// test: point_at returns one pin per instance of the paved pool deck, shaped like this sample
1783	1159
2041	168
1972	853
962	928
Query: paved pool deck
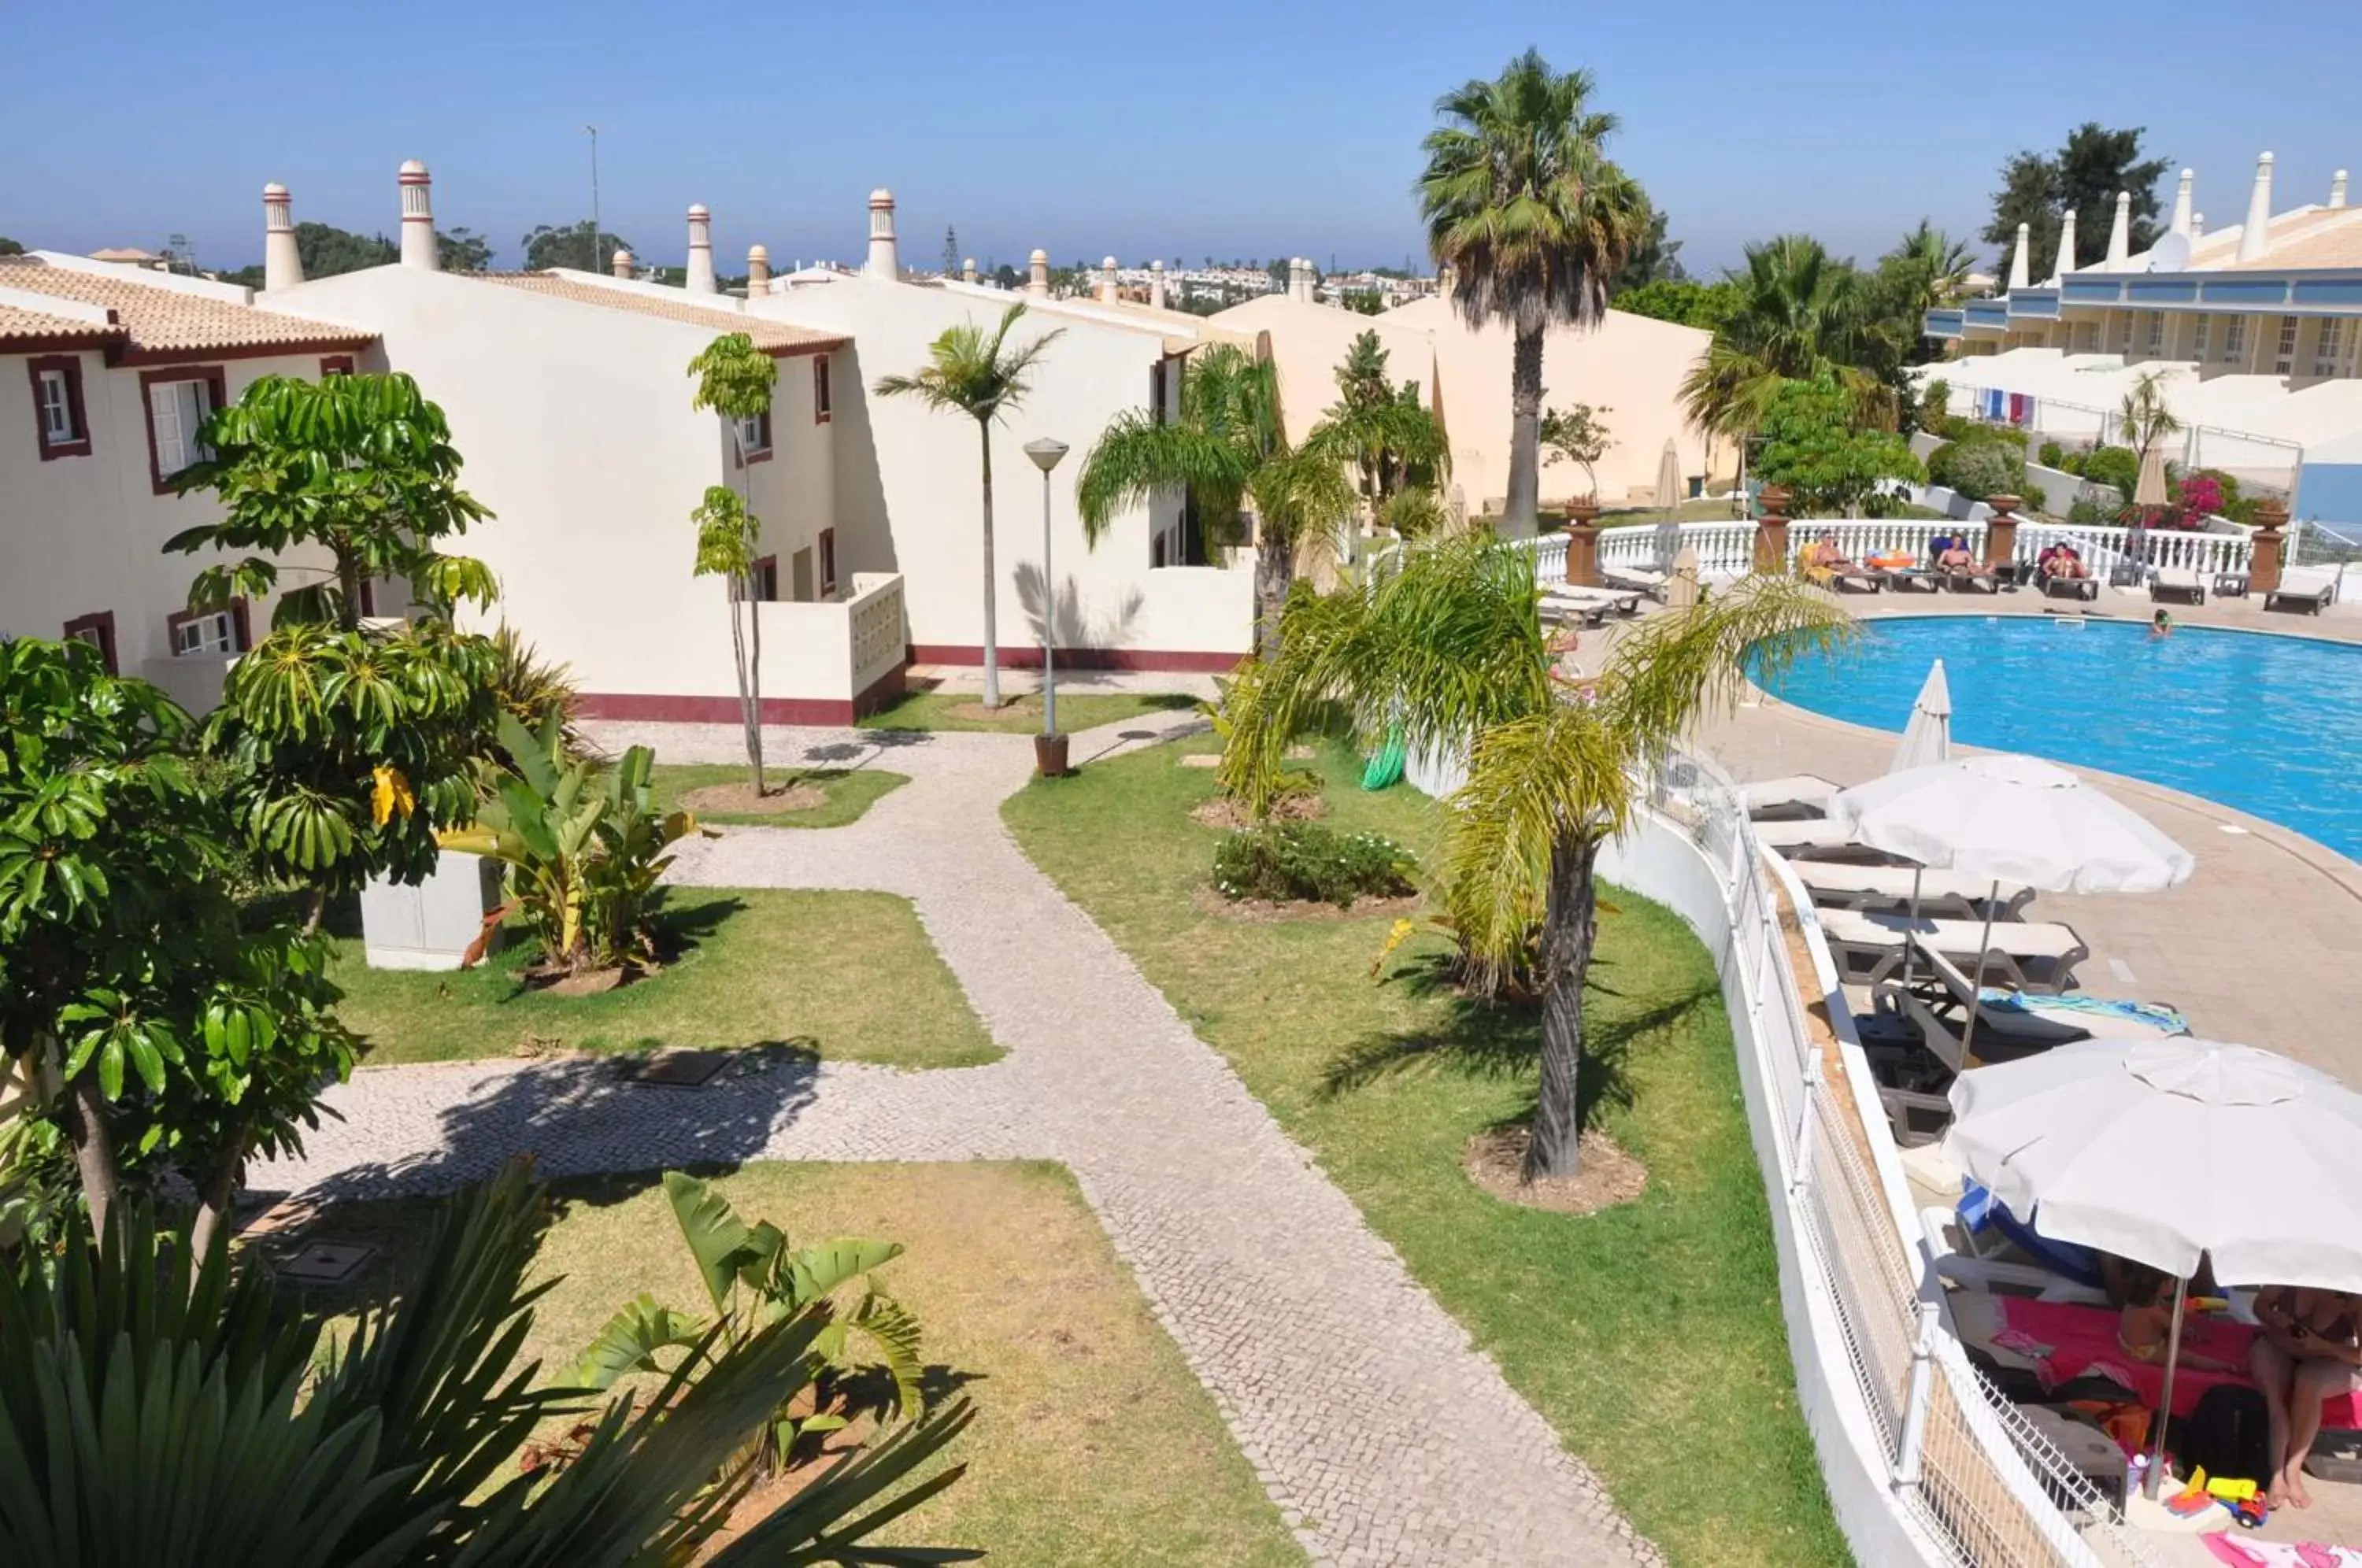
2263	945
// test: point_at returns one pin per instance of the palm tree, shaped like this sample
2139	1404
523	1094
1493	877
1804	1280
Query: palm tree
1448	653
1228	452
1385	432
1945	262
1532	221
1800	316
2145	419
983	378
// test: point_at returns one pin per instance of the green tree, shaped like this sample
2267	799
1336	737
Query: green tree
1800	315
2085	174
572	245
1522	203
463	251
216	1421
1448	653
2146	417
1576	434
984	378
352	747
1386	432
734	379
1685	300
1227	452
1813	443
1654	260
9	246
1005	276
181	1033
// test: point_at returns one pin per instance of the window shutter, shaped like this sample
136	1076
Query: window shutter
164	422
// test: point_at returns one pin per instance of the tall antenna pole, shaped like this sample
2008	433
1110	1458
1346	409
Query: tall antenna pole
595	197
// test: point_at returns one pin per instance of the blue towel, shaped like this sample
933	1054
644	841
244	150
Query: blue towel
2163	1018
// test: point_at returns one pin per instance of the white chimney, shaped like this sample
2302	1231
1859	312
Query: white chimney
2120	233
1156	284
2197	228
2338	189
967	271
1037	273
1299	276
2066	247
2256	235
2020	264
417	219
700	250
621	264
1107	289
885	257
758	271
282	265
2180	224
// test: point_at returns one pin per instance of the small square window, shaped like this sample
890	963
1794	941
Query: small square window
60	428
197	632
98	631
754	437
335	365
179	403
820	390
828	563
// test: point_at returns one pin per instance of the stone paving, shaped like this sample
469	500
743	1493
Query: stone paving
1380	1431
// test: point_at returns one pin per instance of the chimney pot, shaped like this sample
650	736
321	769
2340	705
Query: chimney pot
968	269
2256	234
282	264
758	271
885	256
2021	262
1107	290
2065	245
417	217
1037	273
2181	202
1156	284
2120	233
700	250
621	264
2338	189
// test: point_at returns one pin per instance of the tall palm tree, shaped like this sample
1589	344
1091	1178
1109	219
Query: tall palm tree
1229	451
1384	432
983	378
1533	222
1449	652
1800	315
1944	261
2145	417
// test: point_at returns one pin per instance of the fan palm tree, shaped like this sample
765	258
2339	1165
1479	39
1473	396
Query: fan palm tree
214	1423
1385	433
1448	653
1944	261
983	378
1800	316
1229	451
1525	211
2145	418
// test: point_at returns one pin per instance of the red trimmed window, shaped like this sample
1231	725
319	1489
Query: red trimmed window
178	401
820	389
762	584
59	424
335	365
828	563
209	631
98	631
755	438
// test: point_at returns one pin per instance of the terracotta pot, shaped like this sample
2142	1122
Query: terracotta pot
1050	756
1582	510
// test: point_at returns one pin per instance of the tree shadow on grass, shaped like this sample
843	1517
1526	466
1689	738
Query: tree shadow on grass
1502	1041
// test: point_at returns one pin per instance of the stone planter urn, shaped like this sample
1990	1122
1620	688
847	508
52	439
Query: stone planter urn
2001	531
1582	532
2267	544
1771	531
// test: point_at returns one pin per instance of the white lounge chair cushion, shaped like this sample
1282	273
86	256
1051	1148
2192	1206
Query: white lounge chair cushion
1574	593
1646	575
2020	939
2307	582
1817	833
1838	880
1797	789
2179	579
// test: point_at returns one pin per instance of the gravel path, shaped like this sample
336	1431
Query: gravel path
1381	1433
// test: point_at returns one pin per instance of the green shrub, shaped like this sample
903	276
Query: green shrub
1978	469
2053	456
2116	465
1300	862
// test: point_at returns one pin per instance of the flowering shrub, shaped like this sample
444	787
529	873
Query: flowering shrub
1303	862
2200	498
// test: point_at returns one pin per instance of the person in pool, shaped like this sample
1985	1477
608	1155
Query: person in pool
2160	625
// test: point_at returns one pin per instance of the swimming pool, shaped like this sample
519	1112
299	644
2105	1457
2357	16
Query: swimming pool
2269	725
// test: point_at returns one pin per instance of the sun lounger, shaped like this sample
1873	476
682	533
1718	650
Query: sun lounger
1963	582
1904	579
1835	578
2177	582
1590	613
1814	839
1936	1006
2071	587
1940	892
1621	601
1800	795
2025	956
1640	580
1957	1261
2303	588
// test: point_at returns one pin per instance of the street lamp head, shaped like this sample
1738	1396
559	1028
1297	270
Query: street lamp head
1045	452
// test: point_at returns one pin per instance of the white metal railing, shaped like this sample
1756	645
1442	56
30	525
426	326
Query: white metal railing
1726	550
1982	1484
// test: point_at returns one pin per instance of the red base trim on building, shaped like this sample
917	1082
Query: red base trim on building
659	708
1164	661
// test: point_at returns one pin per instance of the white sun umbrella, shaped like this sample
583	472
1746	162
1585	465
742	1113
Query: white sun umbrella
2171	1150
1669	501
2016	818
1928	738
2148	495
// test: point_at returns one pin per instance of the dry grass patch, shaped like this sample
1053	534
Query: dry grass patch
1605	1176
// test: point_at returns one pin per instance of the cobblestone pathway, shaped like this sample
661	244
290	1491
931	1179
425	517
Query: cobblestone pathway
1383	1436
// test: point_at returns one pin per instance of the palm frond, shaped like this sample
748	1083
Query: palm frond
1671	670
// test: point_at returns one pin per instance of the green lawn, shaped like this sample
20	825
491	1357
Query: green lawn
1650	1334
851	976
1023	715
849	791
1093	1442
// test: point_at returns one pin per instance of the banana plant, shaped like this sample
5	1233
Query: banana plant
755	1279
584	849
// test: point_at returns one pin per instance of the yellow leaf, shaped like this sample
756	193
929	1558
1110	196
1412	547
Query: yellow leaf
390	794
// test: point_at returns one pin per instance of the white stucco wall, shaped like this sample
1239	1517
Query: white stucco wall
908	491
85	534
575	424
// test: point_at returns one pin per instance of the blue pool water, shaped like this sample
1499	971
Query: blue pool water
2269	725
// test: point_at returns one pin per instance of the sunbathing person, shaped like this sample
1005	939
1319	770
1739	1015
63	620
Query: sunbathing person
2144	1299
2060	561
1957	560
2308	1350
1825	555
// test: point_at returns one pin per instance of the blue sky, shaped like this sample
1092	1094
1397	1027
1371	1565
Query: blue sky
1218	126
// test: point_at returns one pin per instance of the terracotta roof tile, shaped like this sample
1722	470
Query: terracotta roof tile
21	326
160	322
771	336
